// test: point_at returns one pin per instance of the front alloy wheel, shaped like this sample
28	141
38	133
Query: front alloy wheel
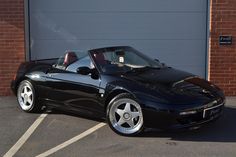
125	115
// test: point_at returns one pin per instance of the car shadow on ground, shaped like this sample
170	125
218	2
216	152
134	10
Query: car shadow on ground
221	130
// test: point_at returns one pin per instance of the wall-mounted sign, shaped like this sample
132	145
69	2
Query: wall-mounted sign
225	40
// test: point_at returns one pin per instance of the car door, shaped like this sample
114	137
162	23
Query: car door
74	91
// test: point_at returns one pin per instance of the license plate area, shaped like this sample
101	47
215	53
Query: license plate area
212	111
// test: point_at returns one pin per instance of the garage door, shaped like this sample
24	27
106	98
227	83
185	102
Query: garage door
174	31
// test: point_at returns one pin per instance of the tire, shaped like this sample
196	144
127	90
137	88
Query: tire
124	115
26	97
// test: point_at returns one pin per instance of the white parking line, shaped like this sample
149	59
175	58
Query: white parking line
24	137
72	140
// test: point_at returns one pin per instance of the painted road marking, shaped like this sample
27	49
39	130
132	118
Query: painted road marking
72	140
25	137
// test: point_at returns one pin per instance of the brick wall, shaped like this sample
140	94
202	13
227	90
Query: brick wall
223	58
11	41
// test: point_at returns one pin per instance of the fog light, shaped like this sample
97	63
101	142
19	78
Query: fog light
187	112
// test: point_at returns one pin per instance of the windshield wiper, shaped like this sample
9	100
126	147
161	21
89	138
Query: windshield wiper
134	70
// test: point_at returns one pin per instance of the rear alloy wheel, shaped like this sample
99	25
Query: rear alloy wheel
125	115
26	97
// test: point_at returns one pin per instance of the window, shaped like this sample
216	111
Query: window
121	60
72	60
81	62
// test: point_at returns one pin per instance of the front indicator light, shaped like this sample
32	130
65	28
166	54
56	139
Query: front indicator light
187	113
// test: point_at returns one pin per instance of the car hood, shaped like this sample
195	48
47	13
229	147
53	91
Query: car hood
164	76
175	85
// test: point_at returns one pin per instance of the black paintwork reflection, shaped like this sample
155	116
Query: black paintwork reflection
73	90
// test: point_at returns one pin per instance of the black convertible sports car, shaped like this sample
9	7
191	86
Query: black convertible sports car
129	89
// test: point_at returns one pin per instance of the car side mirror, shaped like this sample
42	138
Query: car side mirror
84	70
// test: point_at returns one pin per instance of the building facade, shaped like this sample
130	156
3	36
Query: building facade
184	34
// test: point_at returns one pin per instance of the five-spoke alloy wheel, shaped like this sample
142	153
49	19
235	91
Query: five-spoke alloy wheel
125	115
26	97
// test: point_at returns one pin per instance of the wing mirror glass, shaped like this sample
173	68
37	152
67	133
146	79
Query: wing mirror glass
84	70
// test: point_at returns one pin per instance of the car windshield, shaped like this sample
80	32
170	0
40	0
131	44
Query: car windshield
122	60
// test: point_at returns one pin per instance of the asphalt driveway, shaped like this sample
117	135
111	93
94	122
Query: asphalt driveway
63	134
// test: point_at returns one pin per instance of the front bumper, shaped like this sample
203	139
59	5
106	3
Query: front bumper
172	119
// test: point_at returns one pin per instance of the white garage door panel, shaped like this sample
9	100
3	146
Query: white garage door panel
165	50
172	31
118	5
127	26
